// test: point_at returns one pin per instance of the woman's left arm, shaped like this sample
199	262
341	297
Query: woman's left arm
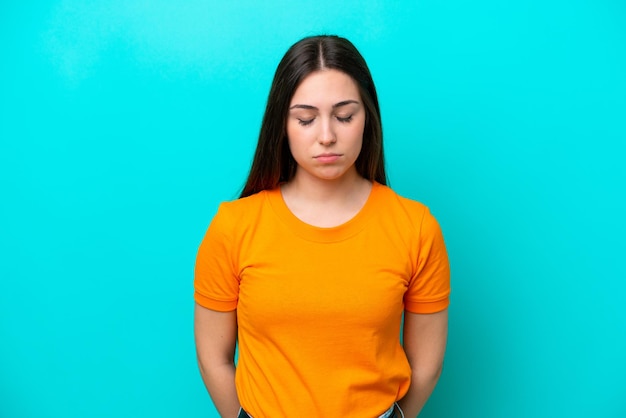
424	339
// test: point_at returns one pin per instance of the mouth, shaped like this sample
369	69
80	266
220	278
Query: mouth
327	157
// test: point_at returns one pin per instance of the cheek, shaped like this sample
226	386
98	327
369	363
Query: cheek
296	140
290	135
357	135
296	134
293	132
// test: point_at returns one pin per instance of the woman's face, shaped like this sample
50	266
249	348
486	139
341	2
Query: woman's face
325	125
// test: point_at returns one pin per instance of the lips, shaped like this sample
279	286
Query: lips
327	158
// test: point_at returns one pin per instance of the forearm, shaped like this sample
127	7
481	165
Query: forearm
422	385
220	383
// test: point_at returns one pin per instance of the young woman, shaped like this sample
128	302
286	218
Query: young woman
314	268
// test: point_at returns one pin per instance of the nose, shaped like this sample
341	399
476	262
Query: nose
327	134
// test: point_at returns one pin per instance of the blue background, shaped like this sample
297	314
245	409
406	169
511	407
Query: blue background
123	124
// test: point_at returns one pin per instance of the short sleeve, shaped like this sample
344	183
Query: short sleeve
216	279
429	287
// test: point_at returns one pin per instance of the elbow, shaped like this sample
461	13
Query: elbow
202	368
435	373
208	366
427	376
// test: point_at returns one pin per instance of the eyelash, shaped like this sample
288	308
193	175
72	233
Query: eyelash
307	122
344	120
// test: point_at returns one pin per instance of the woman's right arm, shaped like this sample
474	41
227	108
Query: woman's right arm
216	337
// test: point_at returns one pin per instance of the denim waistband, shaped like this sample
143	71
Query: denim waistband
394	411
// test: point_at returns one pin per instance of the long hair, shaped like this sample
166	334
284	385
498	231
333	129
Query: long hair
273	162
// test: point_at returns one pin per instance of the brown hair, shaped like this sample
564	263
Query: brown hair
273	162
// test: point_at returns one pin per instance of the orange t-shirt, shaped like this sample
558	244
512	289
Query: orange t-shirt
319	310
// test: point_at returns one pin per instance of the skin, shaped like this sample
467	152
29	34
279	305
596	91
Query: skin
216	336
424	340
325	131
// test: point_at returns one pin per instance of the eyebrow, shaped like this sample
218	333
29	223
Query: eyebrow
336	105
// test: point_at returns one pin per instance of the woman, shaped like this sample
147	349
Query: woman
314	267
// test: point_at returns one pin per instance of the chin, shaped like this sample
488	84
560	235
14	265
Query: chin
329	173
332	177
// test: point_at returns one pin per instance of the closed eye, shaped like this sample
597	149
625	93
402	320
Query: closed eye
305	122
344	120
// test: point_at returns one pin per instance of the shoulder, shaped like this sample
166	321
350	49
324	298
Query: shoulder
403	208
236	213
243	206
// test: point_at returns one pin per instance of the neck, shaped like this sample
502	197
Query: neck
326	203
314	189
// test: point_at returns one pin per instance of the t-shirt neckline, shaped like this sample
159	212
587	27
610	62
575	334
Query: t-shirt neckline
322	234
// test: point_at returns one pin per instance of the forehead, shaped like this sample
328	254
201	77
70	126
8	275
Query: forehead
325	87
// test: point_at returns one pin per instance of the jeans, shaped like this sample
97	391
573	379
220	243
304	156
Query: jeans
394	411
